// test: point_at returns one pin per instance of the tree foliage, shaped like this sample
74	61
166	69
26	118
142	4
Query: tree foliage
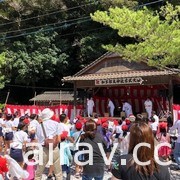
155	36
35	59
44	40
2	63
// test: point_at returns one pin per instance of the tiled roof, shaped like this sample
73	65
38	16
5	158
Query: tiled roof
119	75
54	96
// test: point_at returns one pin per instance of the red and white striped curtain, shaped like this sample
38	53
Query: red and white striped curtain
67	109
135	95
176	112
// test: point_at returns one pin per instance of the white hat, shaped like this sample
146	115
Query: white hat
46	114
132	118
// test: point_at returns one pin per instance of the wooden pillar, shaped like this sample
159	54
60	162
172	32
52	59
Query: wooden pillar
170	89
60	98
75	98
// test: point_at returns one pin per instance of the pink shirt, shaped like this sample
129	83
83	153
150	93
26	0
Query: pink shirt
31	170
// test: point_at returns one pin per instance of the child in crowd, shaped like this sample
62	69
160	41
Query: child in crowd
96	118
107	135
76	137
19	142
3	167
30	167
123	120
99	127
163	137
8	131
65	155
154	126
128	123
33	126
118	129
124	140
1	131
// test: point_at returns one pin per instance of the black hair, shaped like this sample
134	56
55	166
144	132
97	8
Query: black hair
123	118
9	117
152	119
163	131
103	131
32	154
21	125
96	116
33	116
1	115
22	118
120	122
124	133
62	117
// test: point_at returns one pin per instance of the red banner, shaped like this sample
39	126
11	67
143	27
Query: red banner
176	112
67	109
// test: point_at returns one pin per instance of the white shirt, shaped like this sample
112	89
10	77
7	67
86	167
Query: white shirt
19	138
77	138
148	104
124	144
154	126
156	118
111	125
16	122
64	127
1	122
119	129
111	105
177	126
51	128
96	120
127	108
33	124
9	124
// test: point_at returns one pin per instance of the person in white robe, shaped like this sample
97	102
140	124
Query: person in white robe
90	106
111	107
127	108
148	107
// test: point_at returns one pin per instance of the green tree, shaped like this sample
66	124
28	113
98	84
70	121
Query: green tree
34	59
2	63
154	36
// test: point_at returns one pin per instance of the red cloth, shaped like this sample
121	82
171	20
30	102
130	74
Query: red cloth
124	127
78	125
162	125
164	151
26	121
128	122
64	135
116	123
3	165
105	125
82	120
98	122
103	120
55	118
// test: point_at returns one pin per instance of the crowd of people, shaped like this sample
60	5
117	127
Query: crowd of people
72	142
